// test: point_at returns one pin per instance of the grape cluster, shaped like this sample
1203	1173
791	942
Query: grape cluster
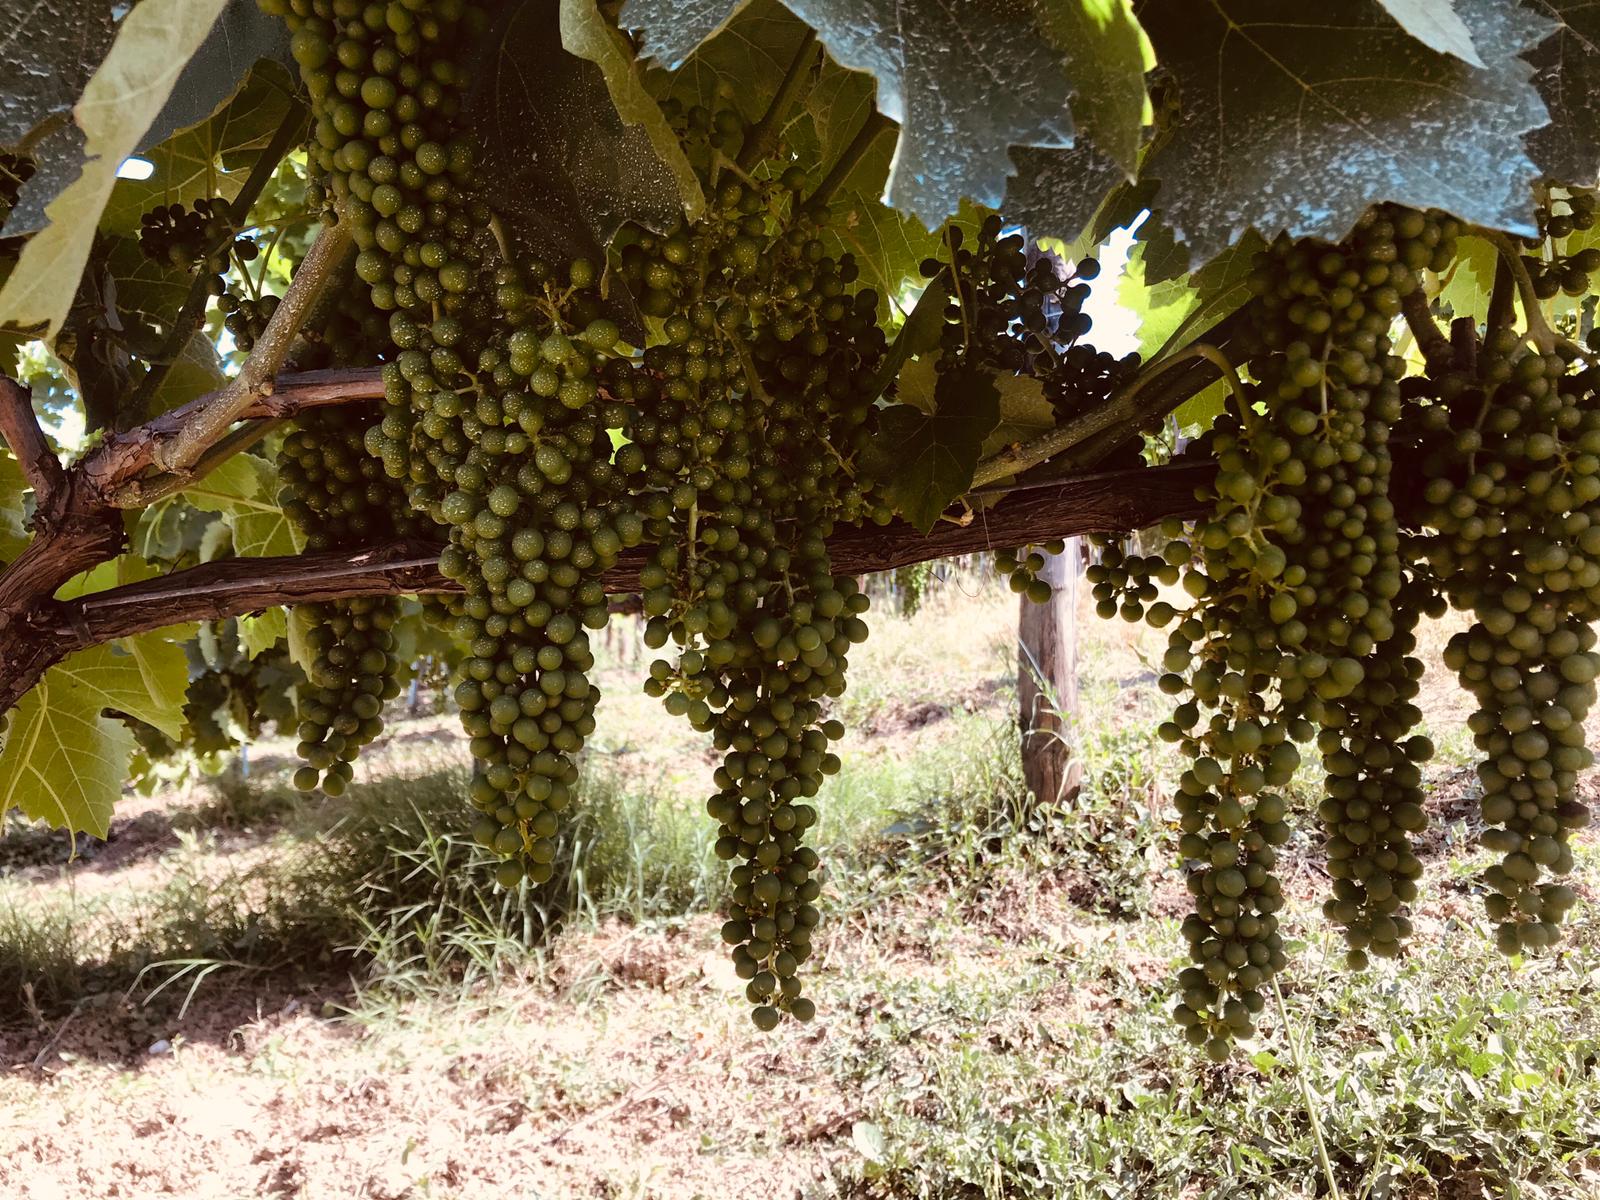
176	236
1565	270
246	317
494	422
337	495
1129	584
1513	494
1022	573
744	429
1297	629
1008	311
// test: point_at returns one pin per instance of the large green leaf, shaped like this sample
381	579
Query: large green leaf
927	458
1107	54
564	170
212	157
63	761
1568	65
117	106
1298	118
1435	23
245	491
586	33
965	82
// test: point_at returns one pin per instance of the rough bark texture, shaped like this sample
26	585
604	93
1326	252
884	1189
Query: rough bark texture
1047	680
1107	501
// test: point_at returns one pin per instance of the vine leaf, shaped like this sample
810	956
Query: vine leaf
244	489
1297	121
260	632
50	49
64	761
1568	76
57	154
211	157
587	34
561	166
1056	193
117	106
965	81
1024	411
1172	311
927	458
1107	54
1466	286
1436	24
242	37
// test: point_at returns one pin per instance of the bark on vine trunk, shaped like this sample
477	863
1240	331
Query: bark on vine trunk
1106	501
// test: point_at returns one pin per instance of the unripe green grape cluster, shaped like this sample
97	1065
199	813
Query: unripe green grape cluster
745	425
1020	568
1512	455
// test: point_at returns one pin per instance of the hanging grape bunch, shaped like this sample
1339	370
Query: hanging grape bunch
1512	457
745	425
1568	268
176	236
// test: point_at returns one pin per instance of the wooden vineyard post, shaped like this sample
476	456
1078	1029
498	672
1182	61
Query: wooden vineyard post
1047	681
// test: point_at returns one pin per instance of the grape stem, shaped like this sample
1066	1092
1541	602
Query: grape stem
1119	405
849	159
178	452
763	136
1430	338
1543	337
1312	1113
141	493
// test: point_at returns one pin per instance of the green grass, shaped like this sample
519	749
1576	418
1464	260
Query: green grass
994	982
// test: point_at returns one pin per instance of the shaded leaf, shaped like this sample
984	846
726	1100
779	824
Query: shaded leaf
57	160
964	81
1298	120
13	509
1107	55
196	371
587	34
48	51
242	36
213	157
927	459
117	106
557	160
1568	77
1056	193
1436	24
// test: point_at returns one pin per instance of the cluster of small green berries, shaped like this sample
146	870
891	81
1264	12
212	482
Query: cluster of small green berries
1022	573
